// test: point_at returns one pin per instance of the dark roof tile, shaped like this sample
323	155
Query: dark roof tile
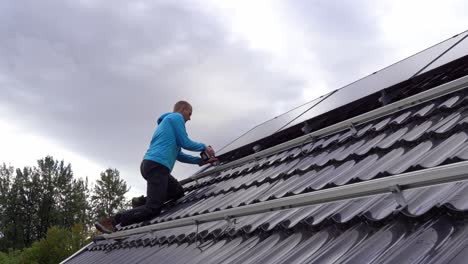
443	150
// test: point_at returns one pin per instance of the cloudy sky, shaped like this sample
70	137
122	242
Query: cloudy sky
85	80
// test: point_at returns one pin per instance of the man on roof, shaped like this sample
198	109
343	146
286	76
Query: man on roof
165	147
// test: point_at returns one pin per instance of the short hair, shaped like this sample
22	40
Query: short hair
181	105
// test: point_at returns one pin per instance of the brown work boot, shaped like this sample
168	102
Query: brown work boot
106	225
138	201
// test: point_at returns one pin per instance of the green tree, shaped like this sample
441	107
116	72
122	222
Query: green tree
59	244
11	257
15	213
6	174
46	169
38	198
75	207
64	200
29	198
109	194
4	258
71	198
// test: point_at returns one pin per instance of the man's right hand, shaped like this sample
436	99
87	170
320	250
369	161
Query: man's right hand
210	151
212	161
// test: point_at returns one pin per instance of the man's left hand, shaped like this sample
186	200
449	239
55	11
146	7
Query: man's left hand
212	160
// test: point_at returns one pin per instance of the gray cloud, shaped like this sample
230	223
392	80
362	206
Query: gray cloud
345	36
95	76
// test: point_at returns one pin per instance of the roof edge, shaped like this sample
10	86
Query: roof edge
77	253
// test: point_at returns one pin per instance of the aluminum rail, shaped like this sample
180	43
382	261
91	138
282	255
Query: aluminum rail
425	96
417	179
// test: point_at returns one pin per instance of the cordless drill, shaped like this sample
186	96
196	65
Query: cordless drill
205	156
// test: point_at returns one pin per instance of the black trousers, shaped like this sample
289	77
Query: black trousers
161	187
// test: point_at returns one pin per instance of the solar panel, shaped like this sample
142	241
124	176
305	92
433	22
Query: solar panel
391	75
403	70
268	128
456	52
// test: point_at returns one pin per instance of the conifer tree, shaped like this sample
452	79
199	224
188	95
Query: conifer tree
109	194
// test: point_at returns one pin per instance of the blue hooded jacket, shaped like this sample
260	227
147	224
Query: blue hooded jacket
168	139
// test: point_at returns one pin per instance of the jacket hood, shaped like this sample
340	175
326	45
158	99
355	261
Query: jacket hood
160	119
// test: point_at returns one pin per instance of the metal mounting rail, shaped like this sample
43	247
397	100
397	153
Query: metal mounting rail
417	179
411	101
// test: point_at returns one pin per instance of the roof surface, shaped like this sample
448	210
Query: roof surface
371	229
427	225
